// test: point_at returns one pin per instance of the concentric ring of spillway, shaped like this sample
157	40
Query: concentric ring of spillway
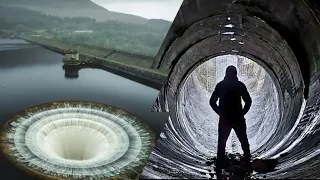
78	140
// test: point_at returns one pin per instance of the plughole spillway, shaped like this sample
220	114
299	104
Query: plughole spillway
77	140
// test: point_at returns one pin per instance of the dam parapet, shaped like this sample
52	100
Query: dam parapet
129	65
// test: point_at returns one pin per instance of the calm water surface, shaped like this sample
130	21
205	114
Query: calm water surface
31	75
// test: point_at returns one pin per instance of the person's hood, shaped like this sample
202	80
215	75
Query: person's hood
231	74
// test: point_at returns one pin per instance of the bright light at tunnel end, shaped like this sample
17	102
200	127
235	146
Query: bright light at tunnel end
77	140
194	111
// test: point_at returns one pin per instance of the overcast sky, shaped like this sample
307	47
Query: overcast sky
151	9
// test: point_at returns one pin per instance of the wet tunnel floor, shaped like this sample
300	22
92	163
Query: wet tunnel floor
234	167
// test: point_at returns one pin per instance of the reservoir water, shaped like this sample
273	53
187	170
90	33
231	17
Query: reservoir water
31	75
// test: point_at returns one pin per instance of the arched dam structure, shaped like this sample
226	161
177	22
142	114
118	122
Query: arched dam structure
283	38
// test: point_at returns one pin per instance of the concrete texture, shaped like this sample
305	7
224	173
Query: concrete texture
281	36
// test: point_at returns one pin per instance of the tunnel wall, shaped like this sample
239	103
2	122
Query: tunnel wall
296	21
283	38
286	43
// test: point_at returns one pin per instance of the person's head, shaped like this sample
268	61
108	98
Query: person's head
231	72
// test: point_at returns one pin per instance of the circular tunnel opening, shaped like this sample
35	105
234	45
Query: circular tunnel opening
263	45
201	35
278	36
202	122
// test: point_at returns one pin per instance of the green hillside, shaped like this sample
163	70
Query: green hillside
139	38
74	8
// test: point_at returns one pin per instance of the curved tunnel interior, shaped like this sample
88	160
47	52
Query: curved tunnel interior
202	122
284	40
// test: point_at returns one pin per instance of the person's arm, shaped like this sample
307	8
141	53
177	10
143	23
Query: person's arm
214	99
246	98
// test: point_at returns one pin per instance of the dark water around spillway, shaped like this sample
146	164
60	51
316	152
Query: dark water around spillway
31	75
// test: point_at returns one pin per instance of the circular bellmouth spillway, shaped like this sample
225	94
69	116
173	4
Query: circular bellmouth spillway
77	140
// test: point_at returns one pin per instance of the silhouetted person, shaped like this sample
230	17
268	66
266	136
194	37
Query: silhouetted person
229	92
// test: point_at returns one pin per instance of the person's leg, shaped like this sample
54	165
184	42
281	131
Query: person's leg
224	132
241	132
